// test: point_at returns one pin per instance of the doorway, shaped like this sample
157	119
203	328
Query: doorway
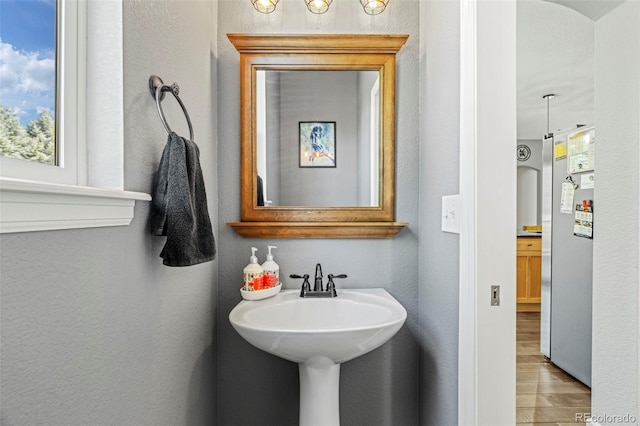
555	86
494	22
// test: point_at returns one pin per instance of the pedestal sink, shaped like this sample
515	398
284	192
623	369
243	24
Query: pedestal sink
319	334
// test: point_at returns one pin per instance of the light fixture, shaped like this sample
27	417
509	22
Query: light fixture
374	7
318	6
265	6
371	7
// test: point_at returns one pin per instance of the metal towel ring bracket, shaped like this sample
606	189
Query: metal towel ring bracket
157	89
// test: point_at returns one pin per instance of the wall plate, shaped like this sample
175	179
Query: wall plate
451	213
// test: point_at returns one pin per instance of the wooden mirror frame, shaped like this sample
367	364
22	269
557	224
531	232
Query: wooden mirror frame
317	52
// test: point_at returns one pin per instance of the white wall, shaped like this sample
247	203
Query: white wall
528	183
530	200
615	269
535	145
95	330
554	55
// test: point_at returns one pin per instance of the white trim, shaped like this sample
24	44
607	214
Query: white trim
27	206
261	133
104	116
486	347
638	266
467	337
374	164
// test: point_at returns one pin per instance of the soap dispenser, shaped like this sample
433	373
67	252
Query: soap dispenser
271	270
253	273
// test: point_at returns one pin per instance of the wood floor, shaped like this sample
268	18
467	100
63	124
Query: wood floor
545	395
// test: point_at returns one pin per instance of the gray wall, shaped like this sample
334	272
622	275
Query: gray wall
101	332
379	388
95	330
439	160
615	244
318	96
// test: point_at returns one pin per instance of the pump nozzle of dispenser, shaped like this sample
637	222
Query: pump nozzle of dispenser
269	255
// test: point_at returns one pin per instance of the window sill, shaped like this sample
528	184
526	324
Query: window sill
27	206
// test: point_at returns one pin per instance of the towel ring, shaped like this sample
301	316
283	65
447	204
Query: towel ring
158	89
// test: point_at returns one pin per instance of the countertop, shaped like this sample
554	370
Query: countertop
529	234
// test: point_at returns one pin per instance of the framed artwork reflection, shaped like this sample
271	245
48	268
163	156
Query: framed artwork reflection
317	141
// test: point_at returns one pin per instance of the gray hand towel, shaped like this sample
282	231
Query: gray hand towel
179	207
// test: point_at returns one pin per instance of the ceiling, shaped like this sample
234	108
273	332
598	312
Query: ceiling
555	55
592	9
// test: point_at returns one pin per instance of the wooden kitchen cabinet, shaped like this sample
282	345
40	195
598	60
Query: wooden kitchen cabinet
529	273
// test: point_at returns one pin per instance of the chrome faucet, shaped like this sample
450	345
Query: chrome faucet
318	290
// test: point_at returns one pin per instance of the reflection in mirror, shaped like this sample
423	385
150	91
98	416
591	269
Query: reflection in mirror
318	138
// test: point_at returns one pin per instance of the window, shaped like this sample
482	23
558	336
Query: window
41	86
38	196
29	63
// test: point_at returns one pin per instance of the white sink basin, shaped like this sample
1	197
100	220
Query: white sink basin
319	334
339	328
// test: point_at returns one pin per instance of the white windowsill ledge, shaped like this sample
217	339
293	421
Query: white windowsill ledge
27	206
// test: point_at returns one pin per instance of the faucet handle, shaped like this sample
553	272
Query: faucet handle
331	286
331	276
305	284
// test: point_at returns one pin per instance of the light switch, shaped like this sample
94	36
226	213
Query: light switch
451	213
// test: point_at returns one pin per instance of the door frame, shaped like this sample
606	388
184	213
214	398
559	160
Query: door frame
486	349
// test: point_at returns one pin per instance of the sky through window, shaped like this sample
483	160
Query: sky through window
27	57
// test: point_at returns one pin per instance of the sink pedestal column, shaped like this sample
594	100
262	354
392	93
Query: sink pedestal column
319	392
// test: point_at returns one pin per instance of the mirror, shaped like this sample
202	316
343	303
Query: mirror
317	138
317	135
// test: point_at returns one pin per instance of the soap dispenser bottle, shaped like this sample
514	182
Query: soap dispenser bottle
271	270
253	273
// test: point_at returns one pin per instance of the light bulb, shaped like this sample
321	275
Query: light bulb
318	6
265	6
374	7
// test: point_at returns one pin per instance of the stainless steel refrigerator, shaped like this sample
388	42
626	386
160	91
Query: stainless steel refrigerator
567	250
